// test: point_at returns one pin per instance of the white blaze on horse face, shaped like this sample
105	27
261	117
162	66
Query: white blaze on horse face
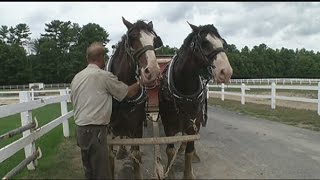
152	71
223	70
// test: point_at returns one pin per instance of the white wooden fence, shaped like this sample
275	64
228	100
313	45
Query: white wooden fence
283	81
273	87
277	81
26	86
25	107
14	95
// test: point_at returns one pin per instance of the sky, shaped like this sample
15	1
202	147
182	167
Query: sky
277	24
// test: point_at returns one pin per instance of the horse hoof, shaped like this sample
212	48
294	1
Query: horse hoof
127	171
189	175
195	158
138	175
171	175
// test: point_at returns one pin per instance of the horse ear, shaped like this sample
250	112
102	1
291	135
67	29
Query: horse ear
224	41
150	24
127	23
193	27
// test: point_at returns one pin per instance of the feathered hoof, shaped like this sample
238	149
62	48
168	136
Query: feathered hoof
136	165
189	175
171	174
195	158
137	174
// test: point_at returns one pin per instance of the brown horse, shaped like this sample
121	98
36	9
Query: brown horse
134	57
181	97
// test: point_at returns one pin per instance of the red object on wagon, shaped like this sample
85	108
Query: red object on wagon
153	101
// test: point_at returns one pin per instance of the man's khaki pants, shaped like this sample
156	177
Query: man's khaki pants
92	140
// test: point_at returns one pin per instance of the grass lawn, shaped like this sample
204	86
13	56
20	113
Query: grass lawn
61	157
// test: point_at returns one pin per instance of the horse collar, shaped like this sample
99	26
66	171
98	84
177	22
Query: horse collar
175	92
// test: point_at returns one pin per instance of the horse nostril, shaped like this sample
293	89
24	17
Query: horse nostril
223	72
147	71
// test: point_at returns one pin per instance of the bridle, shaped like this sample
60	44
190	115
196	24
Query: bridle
206	72
136	54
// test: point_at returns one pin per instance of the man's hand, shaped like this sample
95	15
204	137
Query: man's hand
134	88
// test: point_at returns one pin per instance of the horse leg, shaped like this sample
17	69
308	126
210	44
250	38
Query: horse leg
188	170
170	153
196	158
111	161
136	165
182	149
122	151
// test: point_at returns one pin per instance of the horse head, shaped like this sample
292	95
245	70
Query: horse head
141	42
208	46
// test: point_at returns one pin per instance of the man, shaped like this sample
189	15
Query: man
92	90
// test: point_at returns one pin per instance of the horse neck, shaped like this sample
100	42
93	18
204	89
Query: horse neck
121	67
185	73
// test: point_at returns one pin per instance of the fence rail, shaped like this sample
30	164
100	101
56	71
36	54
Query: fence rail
35	94
273	87
26	86
30	132
291	81
277	81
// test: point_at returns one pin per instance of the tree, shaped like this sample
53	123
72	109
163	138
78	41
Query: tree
52	63
13	64
61	50
166	50
4	34
88	34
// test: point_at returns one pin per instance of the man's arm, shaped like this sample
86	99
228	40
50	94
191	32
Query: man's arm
120	90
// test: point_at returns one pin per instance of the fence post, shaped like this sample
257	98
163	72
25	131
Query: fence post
26	118
69	99
273	95
64	110
243	92
222	91
319	98
32	94
207	91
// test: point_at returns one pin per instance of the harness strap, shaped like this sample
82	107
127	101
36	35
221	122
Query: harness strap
140	51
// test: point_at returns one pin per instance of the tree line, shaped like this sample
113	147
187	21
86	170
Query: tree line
60	51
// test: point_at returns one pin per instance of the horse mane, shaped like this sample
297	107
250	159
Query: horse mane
206	28
140	24
119	47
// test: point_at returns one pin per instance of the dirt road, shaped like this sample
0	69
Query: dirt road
233	145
